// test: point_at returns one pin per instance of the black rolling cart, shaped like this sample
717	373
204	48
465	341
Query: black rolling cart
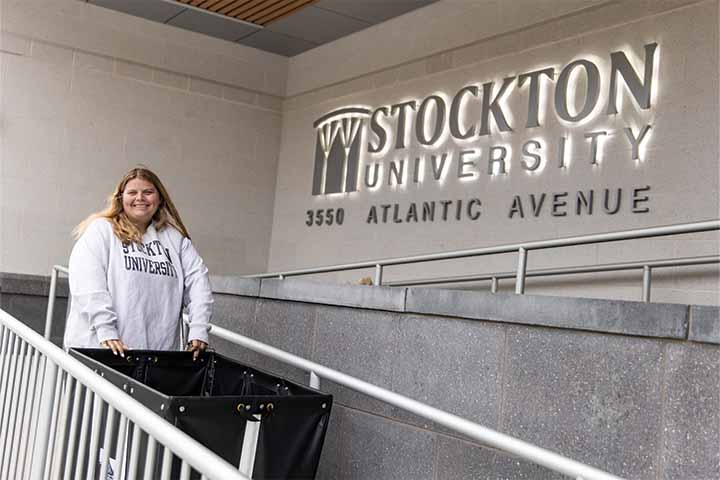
269	427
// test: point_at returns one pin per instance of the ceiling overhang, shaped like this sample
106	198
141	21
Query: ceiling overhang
258	12
284	27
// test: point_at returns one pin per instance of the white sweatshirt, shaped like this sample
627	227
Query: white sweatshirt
136	292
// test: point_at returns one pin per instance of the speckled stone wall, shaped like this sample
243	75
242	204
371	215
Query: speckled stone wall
624	386
641	403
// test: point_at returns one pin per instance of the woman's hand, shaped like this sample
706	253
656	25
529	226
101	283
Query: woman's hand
116	345
196	346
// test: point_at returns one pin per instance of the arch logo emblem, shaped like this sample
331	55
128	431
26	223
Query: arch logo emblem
337	150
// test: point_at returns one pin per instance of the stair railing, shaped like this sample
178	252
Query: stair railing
60	419
646	266
522	249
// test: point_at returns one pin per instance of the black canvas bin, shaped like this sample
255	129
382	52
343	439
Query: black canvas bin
214	397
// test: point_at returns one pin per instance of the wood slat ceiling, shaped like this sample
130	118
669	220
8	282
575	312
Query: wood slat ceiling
259	12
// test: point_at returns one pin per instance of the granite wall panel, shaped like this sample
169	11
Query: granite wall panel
595	398
691	423
361	343
454	365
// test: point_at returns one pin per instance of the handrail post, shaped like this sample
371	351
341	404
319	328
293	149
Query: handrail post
521	271
42	437
184	329
314	380
378	274
494	285
647	280
51	303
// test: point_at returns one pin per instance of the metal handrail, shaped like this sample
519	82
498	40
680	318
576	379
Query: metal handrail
38	380
546	272
521	248
470	429
51	297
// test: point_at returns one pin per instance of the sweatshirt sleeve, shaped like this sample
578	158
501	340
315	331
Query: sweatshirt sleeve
197	294
88	280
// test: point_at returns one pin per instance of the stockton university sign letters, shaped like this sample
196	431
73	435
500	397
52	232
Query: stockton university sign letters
437	138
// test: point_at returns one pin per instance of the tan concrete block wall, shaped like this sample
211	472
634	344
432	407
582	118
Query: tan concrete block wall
681	160
88	93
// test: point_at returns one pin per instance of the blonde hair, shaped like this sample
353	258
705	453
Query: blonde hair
123	228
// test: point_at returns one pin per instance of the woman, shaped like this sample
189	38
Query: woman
132	270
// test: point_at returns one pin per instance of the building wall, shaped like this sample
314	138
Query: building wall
381	66
87	93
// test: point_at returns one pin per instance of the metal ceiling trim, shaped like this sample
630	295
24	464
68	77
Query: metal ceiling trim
209	12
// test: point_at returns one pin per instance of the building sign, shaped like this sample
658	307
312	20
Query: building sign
436	139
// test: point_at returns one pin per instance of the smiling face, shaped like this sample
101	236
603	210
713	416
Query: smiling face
140	200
